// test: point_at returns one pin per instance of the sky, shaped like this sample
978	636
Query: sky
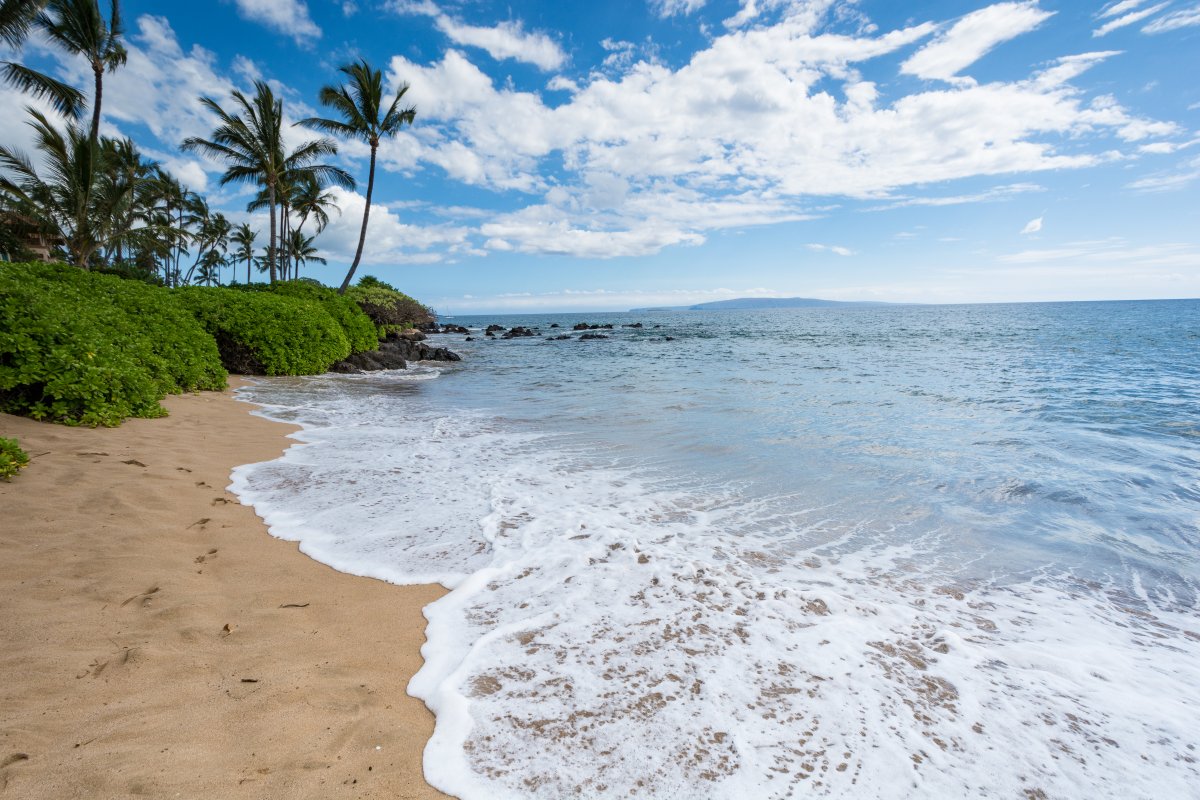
610	155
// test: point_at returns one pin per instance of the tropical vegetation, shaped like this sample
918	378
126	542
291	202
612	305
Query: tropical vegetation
141	303
12	458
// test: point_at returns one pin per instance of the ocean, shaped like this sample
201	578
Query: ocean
868	552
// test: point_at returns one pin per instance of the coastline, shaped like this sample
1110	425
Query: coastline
157	641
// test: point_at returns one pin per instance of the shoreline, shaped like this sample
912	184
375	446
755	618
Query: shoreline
157	641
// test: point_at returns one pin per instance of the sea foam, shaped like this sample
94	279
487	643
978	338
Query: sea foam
615	632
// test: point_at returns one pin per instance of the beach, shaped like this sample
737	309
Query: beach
158	642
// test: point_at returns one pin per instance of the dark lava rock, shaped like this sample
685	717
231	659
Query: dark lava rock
491	335
634	325
669	339
454	329
493	328
412	334
554	325
469	339
581	326
394	353
560	338
592	336
518	331
658	326
607	327
370	362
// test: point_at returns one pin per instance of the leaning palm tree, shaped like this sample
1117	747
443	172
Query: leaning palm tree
243	237
17	20
360	103
250	143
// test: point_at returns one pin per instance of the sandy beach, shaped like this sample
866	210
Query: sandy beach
155	640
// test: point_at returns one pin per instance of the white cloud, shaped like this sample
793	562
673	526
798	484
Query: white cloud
1170	181
837	250
505	40
389	241
1184	18
1128	19
671	8
288	17
752	130
972	37
996	193
1121	7
1033	226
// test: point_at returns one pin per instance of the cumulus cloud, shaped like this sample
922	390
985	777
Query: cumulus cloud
972	37
751	130
1128	19
389	241
289	17
1033	226
1184	18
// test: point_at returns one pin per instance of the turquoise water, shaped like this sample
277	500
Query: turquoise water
881	552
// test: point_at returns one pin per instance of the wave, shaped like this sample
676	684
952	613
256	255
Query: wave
613	631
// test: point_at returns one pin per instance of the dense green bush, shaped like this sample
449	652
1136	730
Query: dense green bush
388	308
358	327
264	333
83	348
12	458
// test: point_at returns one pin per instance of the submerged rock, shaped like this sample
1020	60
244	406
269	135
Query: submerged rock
593	336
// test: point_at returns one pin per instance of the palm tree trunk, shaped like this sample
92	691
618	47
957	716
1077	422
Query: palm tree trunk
98	70
271	251
362	235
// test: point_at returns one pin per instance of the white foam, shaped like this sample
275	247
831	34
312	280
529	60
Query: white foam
611	636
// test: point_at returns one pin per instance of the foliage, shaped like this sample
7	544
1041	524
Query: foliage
266	333
90	349
359	329
387	307
250	143
12	458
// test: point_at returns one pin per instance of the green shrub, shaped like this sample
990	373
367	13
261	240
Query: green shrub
264	333
359	329
388	308
12	458
89	349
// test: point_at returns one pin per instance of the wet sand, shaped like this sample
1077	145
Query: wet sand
155	640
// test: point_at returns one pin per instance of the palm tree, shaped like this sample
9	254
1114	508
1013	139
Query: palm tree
79	27
303	250
211	238
244	237
306	197
63	201
17	20
210	268
250	143
360	103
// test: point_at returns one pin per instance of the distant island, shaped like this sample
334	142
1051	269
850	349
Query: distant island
743	303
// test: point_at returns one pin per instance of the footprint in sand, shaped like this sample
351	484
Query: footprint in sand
206	556
98	666
143	596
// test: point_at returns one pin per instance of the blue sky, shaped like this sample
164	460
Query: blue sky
618	154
